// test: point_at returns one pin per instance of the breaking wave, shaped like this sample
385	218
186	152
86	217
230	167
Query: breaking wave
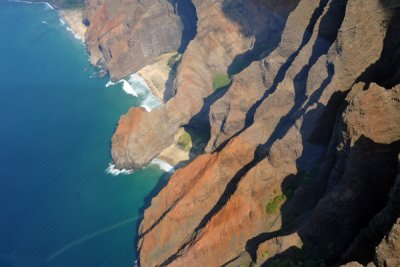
135	85
47	5
76	36
115	172
128	88
165	166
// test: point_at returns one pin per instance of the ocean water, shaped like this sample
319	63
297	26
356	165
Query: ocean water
58	204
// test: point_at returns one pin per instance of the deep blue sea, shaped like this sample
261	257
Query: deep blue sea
58	205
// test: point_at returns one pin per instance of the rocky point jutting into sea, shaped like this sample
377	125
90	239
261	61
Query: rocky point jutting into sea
300	165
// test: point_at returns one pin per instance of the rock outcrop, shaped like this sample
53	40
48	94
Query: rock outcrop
301	162
222	34
253	200
126	35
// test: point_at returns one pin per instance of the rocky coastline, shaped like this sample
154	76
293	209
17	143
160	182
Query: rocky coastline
294	160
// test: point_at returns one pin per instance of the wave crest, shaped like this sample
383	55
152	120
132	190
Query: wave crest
115	172
163	165
47	5
135	85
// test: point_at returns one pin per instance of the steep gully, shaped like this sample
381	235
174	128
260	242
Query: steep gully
302	140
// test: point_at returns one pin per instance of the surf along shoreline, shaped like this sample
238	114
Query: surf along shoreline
153	76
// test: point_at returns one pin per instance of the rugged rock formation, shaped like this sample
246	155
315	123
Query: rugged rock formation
254	200
219	39
301	162
125	35
388	251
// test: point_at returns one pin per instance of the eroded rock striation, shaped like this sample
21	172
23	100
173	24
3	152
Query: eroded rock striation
301	162
220	38
125	35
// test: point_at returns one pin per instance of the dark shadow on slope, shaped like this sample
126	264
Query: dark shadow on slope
170	83
162	182
280	76
328	35
280	131
363	248
199	126
187	13
386	71
265	41
321	134
260	153
199	130
338	219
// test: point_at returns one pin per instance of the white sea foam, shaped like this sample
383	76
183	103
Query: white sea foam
147	108
163	165
149	101
137	80
111	83
128	88
115	172
135	85
48	6
74	34
44	22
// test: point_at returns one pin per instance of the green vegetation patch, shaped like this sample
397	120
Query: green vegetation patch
185	141
275	203
221	81
173	60
265	254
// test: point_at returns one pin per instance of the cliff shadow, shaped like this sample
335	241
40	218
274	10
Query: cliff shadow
199	126
312	154
170	91
267	35
334	224
328	222
162	182
386	71
188	15
301	105
281	73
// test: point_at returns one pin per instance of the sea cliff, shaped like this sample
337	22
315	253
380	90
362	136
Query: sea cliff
297	163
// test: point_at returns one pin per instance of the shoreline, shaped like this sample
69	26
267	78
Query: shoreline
71	17
157	74
154	75
73	20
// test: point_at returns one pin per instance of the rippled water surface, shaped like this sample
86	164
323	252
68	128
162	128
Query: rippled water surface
58	206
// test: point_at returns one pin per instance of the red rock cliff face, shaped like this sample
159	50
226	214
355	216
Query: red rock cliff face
220	38
301	163
271	189
125	35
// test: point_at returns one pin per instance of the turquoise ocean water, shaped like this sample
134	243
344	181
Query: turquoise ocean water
58	205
